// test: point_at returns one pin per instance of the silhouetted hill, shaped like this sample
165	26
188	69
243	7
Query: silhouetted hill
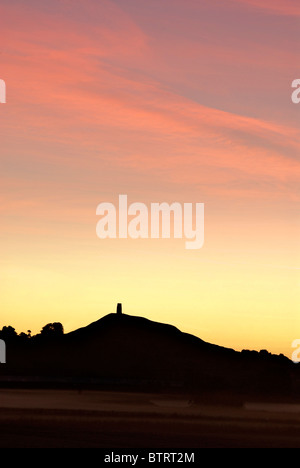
125	351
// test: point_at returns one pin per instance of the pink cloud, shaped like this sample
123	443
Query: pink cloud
87	94
279	7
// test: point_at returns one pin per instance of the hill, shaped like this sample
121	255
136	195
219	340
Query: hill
123	351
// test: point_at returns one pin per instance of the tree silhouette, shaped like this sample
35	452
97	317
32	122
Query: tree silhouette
8	333
52	330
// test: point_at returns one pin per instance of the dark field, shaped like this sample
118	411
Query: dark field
95	419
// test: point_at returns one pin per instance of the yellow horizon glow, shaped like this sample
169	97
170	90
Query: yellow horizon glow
103	100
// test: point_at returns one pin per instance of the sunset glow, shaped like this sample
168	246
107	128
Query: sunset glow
174	101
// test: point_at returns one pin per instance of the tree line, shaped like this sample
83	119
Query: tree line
50	331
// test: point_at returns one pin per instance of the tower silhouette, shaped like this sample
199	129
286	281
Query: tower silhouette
119	309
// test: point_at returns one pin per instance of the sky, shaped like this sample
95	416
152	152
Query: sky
181	101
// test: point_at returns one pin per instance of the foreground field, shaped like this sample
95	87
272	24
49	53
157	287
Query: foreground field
94	419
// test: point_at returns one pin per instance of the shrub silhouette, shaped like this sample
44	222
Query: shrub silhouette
8	333
52	330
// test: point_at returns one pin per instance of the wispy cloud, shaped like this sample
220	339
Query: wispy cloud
87	94
279	7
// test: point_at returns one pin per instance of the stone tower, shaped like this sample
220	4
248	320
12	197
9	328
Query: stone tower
119	309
